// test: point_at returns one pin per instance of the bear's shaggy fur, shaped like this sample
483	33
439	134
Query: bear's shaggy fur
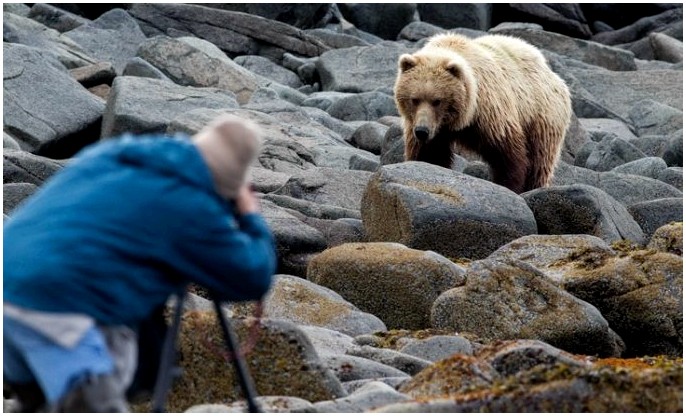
494	95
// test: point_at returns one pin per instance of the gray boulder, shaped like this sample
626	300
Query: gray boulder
233	32
640	28
269	69
651	215
34	112
56	18
650	167
428	207
370	137
666	48
416	31
348	368
364	399
651	117
406	363
328	186
384	20
438	347
13	194
674	152
673	176
610	152
511	300
582	209
8	142
23	167
599	127
268	404
310	209
367	106
393	145
593	53
450	16
113	37
336	40
144	105
350	69
189	66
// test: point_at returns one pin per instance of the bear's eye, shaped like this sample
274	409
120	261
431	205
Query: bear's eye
415	102
436	103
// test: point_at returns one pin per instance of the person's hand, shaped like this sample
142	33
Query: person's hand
246	201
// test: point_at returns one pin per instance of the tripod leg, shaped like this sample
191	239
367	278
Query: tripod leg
167	361
241	369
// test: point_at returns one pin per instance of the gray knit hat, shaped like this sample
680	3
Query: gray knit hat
229	145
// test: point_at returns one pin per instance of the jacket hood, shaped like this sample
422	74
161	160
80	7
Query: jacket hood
174	156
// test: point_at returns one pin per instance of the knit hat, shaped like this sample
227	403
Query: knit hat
229	145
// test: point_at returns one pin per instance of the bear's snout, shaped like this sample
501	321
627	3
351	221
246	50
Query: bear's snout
421	133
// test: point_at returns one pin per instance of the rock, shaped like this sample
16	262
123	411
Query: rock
300	15
8	142
19	9
640	295
388	280
650	117
393	145
371	395
370	137
268	69
328	186
348	367
384	20
509	358
627	189
669	239
674	153
282	363
406	363
582	209
304	303
266	181
341	231
450	16
138	67
438	347
25	31
113	37
567	19
233	32
508	299
93	75
640	28
614	59
348	70
673	176
429	207
186	65
310	209
608	386
23	167
295	241
14	194
34	112
268	404
393	382
56	18
651	145
463	371
599	127
650	167
663	86
336	40
327	341
367	106
666	48
651	215
610	152
416	31
141	105
551	253
615	15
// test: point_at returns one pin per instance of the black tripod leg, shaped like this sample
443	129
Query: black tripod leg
241	371
168	367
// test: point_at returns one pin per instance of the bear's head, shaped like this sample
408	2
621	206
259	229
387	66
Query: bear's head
434	90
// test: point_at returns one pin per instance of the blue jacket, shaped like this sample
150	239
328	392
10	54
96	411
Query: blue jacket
129	222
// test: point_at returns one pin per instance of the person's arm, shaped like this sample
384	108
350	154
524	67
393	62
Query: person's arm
233	263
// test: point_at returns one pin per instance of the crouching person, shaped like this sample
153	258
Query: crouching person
107	240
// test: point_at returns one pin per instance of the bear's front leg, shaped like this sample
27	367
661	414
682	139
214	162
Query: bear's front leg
509	168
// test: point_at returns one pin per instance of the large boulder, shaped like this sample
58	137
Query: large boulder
23	167
582	209
384	20
428	207
35	91
388	280
508	299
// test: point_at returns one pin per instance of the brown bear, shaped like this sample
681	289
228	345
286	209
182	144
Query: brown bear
494	95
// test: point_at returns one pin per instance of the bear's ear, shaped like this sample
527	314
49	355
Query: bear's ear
454	68
407	62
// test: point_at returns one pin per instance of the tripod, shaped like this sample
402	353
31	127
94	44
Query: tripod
168	368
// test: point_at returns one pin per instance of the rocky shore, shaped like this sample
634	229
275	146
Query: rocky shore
401	286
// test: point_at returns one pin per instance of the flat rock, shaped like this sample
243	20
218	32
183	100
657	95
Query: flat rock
651	215
650	167
438	347
652	117
372	395
23	167
348	368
